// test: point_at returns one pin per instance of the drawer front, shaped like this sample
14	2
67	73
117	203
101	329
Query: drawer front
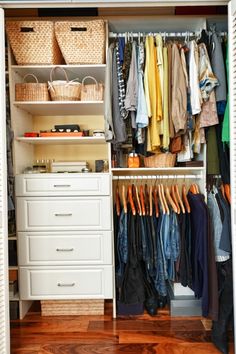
60	248
66	184
80	283
81	213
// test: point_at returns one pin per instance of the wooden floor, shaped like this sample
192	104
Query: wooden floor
104	335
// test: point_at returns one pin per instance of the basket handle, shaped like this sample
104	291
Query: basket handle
92	78
58	67
37	81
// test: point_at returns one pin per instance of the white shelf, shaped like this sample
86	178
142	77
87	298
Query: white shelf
73	71
183	171
63	140
61	108
13	267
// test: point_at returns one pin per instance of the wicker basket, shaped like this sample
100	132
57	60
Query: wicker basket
160	160
72	307
63	90
82	42
33	42
91	92
31	91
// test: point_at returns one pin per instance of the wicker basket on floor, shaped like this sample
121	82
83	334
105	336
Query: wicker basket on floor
81	42
72	307
33	42
31	91
160	160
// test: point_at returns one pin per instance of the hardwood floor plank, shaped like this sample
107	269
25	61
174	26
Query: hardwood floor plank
143	325
126	337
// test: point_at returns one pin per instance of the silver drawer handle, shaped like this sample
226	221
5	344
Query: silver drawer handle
61	185
63	214
65	284
64	249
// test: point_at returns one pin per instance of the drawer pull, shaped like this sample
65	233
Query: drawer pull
65	249
61	185
65	284
63	214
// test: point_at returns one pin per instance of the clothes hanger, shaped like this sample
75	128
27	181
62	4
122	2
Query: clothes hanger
146	198
174	197
161	198
138	200
150	200
117	200
179	198
164	200
142	200
156	201
124	198
170	200
185	199
135	198
130	199
227	192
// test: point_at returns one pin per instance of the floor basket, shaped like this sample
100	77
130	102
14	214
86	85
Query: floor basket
33	42
72	307
81	42
31	91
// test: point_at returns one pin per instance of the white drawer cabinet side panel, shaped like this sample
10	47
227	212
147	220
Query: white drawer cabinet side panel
65	248
60	213
64	185
66	283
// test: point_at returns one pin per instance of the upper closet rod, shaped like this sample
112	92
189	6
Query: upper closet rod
186	34
158	177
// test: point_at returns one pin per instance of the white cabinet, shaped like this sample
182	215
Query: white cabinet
64	241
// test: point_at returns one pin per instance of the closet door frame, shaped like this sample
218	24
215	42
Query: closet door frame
4	292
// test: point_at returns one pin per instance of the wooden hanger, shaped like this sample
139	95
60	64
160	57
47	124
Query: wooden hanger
170	200
164	200
142	201
156	201
161	199
227	192
193	188
185	199
135	198
138	201
179	198
131	201
124	199
117	201
146	198
150	200
174	197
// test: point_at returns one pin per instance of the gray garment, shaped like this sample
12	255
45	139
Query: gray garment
142	119
218	67
120	135
225	242
131	99
216	226
108	124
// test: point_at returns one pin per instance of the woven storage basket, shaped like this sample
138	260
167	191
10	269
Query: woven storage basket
63	90
31	91
91	92
81	42
72	307
33	42
160	160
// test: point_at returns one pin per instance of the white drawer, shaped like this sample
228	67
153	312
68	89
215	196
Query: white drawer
64	248
70	283
54	213
52	184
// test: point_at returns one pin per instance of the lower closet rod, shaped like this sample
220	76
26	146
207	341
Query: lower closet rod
158	177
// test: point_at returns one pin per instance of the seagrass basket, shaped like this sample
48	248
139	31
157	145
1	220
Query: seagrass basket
31	91
160	160
33	42
72	307
81	42
63	90
92	91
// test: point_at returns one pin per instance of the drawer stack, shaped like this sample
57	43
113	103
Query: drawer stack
64	228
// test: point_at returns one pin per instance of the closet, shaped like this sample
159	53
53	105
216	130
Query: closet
31	192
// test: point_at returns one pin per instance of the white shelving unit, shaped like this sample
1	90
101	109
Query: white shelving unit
62	140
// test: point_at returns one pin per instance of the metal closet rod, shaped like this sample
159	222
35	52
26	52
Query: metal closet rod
158	177
163	34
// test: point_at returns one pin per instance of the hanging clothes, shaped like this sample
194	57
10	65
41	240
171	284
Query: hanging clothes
195	97
166	128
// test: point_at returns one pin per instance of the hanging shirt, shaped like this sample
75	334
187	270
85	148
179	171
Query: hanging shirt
108	123
166	134
195	96
131	98
179	92
142	112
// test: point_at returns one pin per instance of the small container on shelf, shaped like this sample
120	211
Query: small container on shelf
133	160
